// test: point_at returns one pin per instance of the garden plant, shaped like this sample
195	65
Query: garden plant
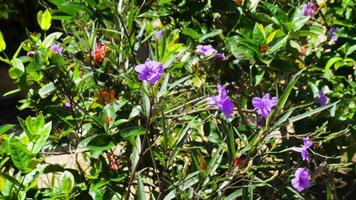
184	99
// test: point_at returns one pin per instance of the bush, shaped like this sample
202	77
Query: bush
185	100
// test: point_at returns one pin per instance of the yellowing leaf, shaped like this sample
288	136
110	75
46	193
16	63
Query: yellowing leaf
271	37
2	43
44	19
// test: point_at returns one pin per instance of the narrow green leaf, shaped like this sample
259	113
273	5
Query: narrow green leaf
312	112
141	195
283	99
4	128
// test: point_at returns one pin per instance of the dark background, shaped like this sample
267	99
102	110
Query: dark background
18	19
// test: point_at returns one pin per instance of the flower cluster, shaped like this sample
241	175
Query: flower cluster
97	56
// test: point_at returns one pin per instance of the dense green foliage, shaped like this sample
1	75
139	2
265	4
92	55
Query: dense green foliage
132	139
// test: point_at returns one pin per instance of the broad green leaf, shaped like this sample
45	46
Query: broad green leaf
2	42
278	45
108	115
46	90
44	19
17	64
48	41
20	155
132	132
66	182
100	143
191	33
42	138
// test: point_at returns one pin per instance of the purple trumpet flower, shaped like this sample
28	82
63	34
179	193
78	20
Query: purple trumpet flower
206	50
222	101
322	99
150	71
304	149
56	48
264	105
301	181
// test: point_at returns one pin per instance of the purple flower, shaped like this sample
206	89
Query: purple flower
222	101
206	50
304	149
332	33
67	105
158	34
322	98
301	181
264	106
220	56
309	9
56	48
150	71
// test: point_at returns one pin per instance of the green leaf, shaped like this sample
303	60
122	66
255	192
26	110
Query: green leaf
191	33
210	35
283	99
2	42
20	155
259	77
141	195
42	138
146	101
132	132
46	90
17	64
164	86
4	128
66	182
100	143
278	45
135	155
44	19
48	41
331	62
108	115
312	112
